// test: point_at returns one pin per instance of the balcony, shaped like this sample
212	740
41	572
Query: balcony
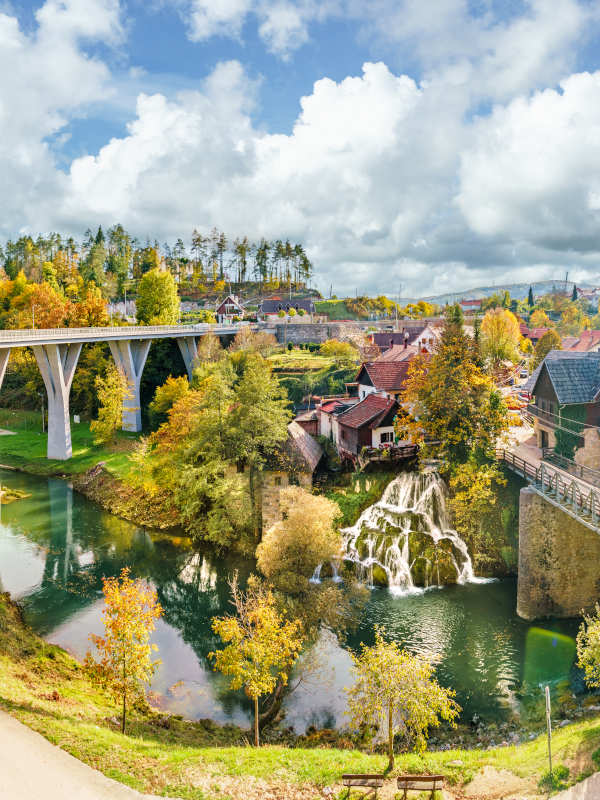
540	413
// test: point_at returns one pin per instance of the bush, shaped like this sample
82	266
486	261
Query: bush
556	780
290	346
301	312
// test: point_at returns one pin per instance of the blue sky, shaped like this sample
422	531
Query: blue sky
438	145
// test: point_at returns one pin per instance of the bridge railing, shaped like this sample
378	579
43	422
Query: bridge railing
568	494
35	334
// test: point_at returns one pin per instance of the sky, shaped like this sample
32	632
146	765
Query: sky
420	147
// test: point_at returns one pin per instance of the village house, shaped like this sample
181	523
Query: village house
229	310
269	310
470	306
565	391
293	465
533	334
586	342
382	377
368	424
405	337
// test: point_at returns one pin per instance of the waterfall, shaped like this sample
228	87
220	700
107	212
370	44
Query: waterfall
406	535
316	576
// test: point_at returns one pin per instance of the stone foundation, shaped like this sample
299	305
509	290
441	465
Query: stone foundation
589	454
559	561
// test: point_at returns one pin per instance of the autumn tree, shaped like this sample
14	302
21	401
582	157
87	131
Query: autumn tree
500	335
157	300
550	341
451	400
539	319
125	662
260	645
305	537
164	398
397	692
210	349
113	392
588	648
474	492
254	341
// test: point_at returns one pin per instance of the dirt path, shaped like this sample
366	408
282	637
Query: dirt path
31	768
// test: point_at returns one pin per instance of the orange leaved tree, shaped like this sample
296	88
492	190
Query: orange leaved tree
125	663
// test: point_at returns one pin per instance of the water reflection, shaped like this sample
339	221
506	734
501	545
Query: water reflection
55	547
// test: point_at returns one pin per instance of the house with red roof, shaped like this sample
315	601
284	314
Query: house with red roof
369	423
533	334
586	342
382	377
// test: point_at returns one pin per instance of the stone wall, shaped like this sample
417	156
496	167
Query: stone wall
273	482
301	333
559	561
589	454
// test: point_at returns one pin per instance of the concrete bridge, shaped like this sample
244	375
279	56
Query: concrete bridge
559	538
57	352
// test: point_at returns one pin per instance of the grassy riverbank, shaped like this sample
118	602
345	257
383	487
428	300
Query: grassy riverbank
46	689
24	448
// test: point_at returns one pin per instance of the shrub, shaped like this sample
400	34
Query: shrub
290	346
555	780
301	312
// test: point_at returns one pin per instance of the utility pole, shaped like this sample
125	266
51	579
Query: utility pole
549	726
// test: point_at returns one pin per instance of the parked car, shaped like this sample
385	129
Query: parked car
523	374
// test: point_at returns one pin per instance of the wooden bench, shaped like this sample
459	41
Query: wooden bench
420	783
369	782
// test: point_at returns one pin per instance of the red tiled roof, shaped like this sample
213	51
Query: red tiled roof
587	340
369	411
398	352
387	376
532	333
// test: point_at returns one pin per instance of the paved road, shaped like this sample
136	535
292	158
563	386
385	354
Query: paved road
33	769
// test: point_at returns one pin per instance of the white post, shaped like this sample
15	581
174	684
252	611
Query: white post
57	363
549	725
189	352
130	356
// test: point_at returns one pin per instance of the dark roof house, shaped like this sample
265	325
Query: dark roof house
275	306
404	337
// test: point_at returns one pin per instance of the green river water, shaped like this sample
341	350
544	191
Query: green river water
56	546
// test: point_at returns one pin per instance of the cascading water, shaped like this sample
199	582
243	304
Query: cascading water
405	537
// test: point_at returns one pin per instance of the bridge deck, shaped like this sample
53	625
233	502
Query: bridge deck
572	495
41	336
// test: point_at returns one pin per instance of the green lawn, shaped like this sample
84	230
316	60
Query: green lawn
297	360
46	689
335	309
26	448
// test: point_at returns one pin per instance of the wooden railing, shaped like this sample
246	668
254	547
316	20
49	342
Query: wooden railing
576	499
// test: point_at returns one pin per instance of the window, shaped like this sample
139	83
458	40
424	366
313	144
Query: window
387	437
277	480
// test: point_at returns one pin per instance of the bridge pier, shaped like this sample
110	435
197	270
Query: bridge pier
558	560
189	352
130	357
57	363
4	356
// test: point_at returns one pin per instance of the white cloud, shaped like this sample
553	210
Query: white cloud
283	25
533	171
46	80
385	179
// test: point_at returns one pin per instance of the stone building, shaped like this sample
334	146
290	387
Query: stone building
294	464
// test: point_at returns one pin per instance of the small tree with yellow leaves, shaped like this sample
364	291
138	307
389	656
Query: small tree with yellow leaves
125	665
261	646
397	691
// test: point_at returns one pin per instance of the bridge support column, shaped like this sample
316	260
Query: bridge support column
130	357
4	356
189	352
558	561
57	363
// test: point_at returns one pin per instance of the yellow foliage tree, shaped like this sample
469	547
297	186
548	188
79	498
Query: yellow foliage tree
261	646
500	335
398	691
539	319
125	666
113	391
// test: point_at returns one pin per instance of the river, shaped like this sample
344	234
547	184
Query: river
55	546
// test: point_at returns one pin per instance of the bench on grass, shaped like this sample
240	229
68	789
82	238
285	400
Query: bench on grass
420	783
369	782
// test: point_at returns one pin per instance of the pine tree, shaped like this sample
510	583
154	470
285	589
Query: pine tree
530	301
574	295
